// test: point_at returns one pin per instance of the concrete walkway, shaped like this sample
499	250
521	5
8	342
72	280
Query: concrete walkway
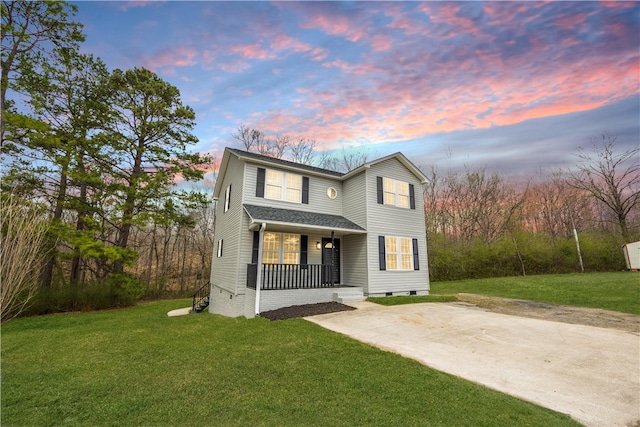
589	373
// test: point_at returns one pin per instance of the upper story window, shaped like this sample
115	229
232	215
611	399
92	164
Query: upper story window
396	193
278	185
227	198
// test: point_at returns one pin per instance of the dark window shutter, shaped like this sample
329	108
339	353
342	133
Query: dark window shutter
305	190
380	192
382	253
254	250
412	197
416	260
260	183
304	249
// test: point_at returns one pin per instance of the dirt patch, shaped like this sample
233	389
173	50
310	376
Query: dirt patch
557	313
305	310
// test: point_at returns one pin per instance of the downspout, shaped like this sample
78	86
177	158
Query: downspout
259	273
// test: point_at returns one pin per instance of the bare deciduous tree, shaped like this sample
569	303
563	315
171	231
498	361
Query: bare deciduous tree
303	151
346	161
610	177
251	139
22	237
556	207
255	140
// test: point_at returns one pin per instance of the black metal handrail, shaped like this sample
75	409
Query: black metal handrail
200	298
291	276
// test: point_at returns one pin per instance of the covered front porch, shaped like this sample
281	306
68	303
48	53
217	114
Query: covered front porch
297	257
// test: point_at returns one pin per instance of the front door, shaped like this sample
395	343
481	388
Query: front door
327	252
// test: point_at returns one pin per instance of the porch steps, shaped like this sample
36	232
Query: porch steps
346	295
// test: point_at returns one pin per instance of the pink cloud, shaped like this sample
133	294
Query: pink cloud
318	54
394	111
284	42
616	4
126	5
381	42
570	22
171	57
335	25
252	51
448	13
447	72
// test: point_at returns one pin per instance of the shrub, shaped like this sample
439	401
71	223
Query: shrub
538	253
23	233
117	291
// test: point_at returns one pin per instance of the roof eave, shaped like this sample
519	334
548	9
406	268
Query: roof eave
301	169
221	172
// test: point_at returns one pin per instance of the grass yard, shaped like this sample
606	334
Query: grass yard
399	300
138	367
619	291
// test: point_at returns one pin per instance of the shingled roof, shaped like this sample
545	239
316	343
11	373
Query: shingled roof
281	162
312	219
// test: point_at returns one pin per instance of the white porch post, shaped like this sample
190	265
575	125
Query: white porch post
259	272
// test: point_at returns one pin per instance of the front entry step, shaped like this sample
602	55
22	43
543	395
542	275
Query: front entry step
346	295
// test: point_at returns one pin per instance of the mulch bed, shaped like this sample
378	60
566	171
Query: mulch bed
305	310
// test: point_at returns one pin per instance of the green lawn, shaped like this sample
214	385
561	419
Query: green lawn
618	291
399	300
136	366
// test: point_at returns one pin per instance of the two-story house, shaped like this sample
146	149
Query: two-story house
290	234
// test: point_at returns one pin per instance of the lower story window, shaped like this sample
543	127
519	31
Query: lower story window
281	248
399	253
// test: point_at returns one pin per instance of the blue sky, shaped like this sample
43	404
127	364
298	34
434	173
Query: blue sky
510	86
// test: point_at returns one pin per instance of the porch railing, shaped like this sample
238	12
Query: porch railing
291	276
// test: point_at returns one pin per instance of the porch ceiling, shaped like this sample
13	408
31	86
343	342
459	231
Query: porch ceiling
277	218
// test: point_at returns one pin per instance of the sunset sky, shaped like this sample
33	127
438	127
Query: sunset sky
510	86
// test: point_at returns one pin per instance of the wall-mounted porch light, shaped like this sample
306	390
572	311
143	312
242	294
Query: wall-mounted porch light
318	246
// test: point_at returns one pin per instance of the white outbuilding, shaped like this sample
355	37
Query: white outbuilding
632	255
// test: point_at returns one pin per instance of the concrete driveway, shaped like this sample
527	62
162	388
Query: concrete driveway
592	374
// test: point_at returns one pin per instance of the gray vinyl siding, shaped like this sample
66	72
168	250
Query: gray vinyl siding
385	220
318	200
228	228
354	266
314	256
355	196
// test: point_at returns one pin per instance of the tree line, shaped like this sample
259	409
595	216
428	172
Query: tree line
98	155
481	224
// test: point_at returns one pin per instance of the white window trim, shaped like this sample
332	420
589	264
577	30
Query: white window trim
219	250
281	250
396	193
399	253
283	186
